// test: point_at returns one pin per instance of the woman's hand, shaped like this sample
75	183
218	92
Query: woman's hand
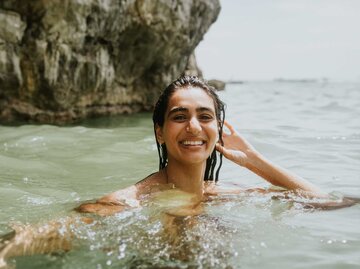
235	148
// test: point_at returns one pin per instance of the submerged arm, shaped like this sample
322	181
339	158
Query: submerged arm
238	150
38	239
112	203
57	235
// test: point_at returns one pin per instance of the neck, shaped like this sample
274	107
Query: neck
188	178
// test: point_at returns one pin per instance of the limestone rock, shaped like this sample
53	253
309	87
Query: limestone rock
61	60
217	84
192	69
12	27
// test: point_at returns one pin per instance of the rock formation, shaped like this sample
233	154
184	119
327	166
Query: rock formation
65	60
217	84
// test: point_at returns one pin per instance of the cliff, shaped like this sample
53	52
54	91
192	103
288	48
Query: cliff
65	60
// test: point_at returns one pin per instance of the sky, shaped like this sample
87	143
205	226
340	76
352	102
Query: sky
291	39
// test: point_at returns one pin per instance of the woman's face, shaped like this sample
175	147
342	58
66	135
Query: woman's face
190	129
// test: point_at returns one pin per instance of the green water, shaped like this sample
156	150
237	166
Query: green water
49	165
312	129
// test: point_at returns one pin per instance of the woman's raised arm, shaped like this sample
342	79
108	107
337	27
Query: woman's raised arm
237	149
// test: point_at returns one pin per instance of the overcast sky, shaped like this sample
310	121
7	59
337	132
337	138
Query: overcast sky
267	39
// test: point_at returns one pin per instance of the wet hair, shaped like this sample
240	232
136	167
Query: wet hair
160	108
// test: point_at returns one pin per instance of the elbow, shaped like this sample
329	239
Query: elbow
99	209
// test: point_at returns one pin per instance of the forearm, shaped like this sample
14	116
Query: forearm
41	238
101	209
279	176
32	241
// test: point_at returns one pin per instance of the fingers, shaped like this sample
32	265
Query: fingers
224	151
229	126
219	148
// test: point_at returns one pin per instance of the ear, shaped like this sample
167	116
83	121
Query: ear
159	136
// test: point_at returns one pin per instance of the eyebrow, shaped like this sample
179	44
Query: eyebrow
184	109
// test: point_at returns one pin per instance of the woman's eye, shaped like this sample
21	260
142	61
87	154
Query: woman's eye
179	117
206	117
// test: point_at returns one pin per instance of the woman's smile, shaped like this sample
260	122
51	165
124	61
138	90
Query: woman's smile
192	143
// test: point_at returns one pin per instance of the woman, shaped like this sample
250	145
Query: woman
188	124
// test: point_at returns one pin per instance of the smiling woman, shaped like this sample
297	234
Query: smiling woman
188	121
188	124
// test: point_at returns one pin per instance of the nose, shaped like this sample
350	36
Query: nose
194	126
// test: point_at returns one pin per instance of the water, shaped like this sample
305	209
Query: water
310	128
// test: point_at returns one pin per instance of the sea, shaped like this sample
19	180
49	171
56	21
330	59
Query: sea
311	128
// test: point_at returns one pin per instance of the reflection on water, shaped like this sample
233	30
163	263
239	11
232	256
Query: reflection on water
312	129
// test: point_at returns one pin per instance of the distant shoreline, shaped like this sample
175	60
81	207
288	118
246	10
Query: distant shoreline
281	80
301	80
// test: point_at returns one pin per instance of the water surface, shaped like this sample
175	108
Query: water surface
310	128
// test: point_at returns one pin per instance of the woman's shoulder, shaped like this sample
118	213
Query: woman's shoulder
118	200
111	203
134	191
120	195
152	179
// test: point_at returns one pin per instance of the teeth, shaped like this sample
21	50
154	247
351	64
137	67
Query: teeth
193	143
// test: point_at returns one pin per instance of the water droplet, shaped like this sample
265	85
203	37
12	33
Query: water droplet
329	241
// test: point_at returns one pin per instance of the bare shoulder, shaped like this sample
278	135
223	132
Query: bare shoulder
111	203
133	191
157	178
119	196
121	199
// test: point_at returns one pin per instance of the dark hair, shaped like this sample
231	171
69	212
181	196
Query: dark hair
159	118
